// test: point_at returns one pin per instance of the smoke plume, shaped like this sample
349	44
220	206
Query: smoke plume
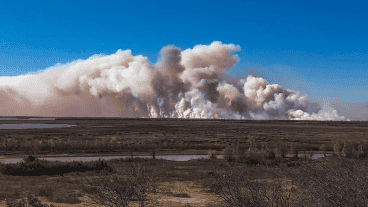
183	84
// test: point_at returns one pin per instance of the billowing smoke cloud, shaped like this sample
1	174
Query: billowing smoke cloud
183	84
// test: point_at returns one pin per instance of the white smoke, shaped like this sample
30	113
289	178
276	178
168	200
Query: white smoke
183	84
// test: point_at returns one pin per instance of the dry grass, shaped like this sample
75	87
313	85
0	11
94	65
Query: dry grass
182	183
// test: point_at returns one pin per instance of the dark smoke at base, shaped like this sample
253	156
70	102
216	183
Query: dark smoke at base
183	84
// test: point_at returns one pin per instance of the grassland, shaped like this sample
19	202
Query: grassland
123	136
194	182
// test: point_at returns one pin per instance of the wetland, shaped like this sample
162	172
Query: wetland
265	150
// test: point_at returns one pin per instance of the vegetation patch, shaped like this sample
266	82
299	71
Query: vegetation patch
41	167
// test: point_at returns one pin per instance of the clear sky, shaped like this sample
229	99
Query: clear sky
316	47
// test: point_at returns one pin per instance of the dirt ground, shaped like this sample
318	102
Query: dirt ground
170	194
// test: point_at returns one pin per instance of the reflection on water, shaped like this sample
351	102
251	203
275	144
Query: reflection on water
314	156
49	119
165	157
85	159
28	126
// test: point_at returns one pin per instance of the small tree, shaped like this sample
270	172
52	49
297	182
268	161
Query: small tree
153	150
120	191
360	152
31	201
266	152
364	148
341	183
347	150
294	150
310	153
337	148
280	149
212	154
357	153
112	191
270	151
323	148
228	154
29	159
244	188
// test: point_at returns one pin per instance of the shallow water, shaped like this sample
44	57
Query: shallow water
85	159
165	157
314	156
30	126
48	119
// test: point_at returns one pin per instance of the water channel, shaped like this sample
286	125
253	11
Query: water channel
43	118
32	126
165	157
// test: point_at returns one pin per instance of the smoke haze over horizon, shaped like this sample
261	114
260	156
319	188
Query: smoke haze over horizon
190	83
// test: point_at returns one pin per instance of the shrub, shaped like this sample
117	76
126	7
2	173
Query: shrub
120	190
280	149
294	150
347	150
244	188
212	154
228	154
46	191
29	159
364	148
31	201
264	153
270	152
310	154
69	199
358	153
42	167
323	148
341	183
337	148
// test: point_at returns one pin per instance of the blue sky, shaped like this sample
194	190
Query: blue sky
317	47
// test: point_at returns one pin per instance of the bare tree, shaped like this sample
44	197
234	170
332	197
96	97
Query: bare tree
122	190
343	183
111	191
244	188
143	184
